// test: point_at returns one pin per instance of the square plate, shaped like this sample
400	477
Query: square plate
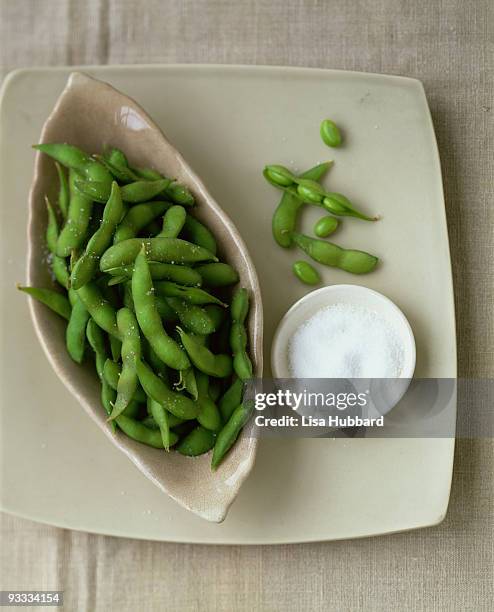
228	122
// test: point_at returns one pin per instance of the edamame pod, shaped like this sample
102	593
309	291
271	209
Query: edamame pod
96	339
53	299
182	275
51	227
164	250
140	433
131	353
227	436
74	231
193	295
194	318
59	269
138	191
231	399
176	403
112	372
238	335
75	334
160	416
99	308
311	192
149	320
142	191
197	442
209	415
329	254
218	274
86	266
286	214
63	191
57	264
173	222
75	159
137	218
219	366
180	194
199	234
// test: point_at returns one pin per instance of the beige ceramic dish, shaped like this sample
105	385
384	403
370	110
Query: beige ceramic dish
91	114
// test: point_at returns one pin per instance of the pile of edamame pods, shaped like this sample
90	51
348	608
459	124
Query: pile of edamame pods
306	189
143	291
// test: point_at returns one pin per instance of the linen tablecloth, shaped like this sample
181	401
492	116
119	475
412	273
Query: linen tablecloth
449	46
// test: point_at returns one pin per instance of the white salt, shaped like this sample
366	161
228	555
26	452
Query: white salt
345	341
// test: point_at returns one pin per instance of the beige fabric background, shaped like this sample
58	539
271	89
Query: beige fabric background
447	44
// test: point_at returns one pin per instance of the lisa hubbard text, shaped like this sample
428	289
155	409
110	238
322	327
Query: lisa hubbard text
308	421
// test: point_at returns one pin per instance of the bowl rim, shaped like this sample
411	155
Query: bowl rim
410	349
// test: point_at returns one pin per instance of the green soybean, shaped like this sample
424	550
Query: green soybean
53	299
59	269
329	254
138	191
279	175
193	295
330	133
176	403
63	191
74	231
218	274
182	275
209	415
197	442
138	217
57	264
204	360
140	433
160	416
87	264
325	226
173	222
286	214
149	319
238	335
164	250
99	308
196	319
231	399
112	372
96	339
142	191
75	334
180	194
228	435
311	192
75	159
199	234
131	353
51	227
306	273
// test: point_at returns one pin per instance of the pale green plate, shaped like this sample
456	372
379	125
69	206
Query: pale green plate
228	122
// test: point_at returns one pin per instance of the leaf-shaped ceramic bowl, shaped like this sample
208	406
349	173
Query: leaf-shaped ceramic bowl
92	115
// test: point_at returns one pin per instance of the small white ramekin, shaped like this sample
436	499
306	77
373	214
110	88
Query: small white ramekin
311	303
